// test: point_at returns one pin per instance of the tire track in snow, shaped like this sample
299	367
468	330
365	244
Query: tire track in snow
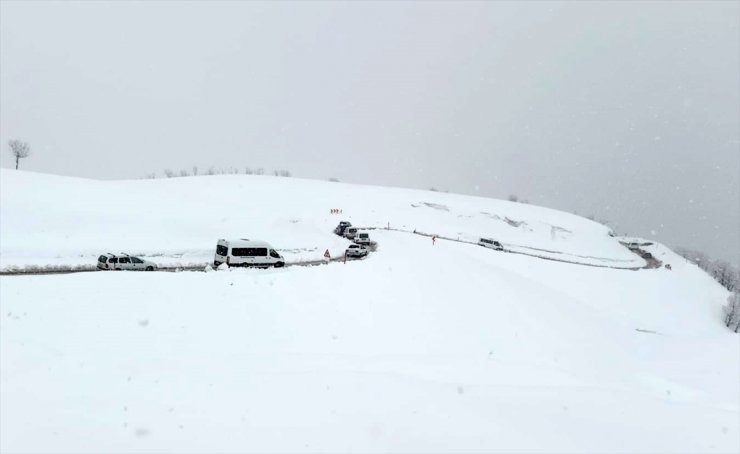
651	262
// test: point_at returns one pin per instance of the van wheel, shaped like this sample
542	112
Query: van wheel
149	268
279	265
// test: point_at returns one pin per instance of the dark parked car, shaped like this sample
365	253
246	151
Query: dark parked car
339	230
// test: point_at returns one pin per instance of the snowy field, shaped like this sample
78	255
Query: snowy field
419	348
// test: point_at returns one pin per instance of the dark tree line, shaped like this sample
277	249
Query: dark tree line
727	275
169	173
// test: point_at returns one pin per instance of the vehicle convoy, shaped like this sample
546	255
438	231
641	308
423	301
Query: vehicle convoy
489	243
339	230
362	238
124	262
356	250
244	252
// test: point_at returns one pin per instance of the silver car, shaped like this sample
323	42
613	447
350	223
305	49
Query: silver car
489	243
350	233
356	250
124	262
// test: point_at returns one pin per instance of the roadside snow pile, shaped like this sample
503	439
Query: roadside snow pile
446	348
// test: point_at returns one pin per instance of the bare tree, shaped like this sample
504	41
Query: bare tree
195	171
732	312
259	171
169	173
725	274
19	150
184	173
334	180
699	258
248	171
721	270
513	198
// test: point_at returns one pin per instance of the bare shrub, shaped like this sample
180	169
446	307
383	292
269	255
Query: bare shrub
19	150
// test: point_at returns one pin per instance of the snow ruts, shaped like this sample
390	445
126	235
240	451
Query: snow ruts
651	262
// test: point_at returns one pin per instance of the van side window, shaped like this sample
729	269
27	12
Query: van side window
125	260
249	252
113	260
136	260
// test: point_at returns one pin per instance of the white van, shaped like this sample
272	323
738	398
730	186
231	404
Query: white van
244	252
362	238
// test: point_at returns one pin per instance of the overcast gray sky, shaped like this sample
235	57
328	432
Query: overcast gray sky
627	111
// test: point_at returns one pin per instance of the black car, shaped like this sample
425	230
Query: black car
339	230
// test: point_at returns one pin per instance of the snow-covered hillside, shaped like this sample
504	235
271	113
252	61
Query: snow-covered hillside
418	348
60	220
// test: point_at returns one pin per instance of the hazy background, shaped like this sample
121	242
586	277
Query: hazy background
627	111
